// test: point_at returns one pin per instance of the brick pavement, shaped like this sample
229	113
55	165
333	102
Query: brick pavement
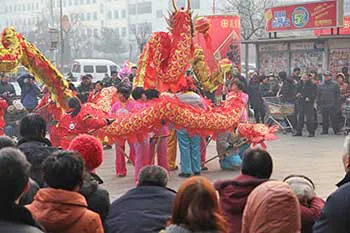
318	158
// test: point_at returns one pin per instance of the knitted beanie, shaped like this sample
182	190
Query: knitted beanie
90	149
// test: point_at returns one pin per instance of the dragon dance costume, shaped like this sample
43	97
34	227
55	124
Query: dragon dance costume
162	65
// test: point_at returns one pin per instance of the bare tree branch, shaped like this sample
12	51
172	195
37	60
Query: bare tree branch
252	15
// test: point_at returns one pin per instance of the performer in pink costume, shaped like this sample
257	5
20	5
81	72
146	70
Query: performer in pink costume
159	140
123	106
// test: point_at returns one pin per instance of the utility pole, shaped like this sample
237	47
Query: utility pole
214	7
61	36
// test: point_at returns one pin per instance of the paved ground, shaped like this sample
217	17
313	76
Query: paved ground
318	158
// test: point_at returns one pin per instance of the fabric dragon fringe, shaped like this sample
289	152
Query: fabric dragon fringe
165	57
16	50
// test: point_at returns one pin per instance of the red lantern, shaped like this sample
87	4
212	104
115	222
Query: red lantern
202	25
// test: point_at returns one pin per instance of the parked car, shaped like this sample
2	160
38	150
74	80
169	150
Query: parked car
98	68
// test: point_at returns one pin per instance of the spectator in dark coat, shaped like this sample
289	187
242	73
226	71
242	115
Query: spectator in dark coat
288	93
307	92
14	178
146	208
310	205
255	99
328	98
34	144
29	92
28	196
91	150
13	117
85	87
336	212
289	88
7	90
256	169
265	87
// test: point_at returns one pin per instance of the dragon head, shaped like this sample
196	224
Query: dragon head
180	19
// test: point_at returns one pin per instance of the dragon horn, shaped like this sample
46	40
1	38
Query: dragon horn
174	5
188	5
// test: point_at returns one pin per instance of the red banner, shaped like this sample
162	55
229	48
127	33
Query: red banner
224	32
345	30
314	15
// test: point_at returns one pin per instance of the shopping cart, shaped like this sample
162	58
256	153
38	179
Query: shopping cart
277	112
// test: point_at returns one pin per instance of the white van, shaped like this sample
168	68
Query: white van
98	68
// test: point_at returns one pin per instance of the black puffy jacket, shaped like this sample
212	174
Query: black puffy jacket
16	219
97	197
36	151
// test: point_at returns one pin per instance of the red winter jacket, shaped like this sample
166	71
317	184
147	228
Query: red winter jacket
310	214
84	123
233	197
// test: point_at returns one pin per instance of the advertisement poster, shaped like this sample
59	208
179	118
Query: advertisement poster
315	15
224	32
273	58
339	58
308	56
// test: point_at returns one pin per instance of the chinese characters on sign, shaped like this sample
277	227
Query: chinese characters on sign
225	32
302	16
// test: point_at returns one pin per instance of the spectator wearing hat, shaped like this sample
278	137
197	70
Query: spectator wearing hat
310	205
328	98
13	117
91	151
272	207
85	88
145	208
14	180
29	92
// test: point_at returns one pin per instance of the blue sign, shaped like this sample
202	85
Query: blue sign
280	20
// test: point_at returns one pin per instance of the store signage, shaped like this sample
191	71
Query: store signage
273	47
345	30
313	15
306	46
